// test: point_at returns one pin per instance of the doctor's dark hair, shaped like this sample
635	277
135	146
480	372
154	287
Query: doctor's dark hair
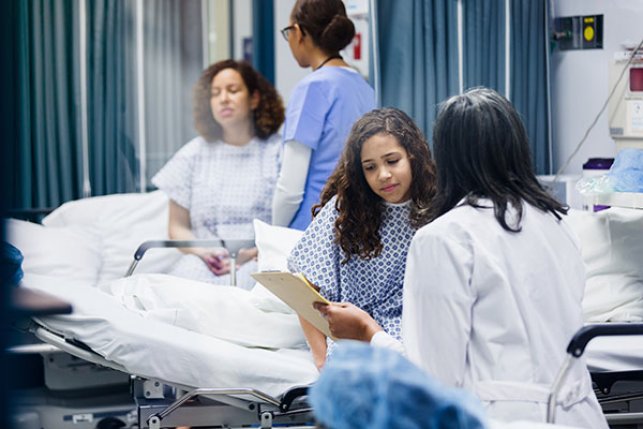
326	22
268	116
357	228
481	150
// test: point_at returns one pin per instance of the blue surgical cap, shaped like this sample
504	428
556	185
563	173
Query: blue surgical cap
377	388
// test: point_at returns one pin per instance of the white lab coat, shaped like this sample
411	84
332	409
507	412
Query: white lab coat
492	312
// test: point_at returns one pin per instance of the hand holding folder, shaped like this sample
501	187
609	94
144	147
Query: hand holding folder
298	293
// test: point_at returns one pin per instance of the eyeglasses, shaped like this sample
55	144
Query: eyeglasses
286	30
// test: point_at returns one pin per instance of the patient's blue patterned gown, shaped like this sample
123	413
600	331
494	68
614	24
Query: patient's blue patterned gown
374	285
224	187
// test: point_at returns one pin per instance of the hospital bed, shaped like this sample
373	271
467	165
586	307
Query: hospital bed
271	373
212	381
89	243
106	231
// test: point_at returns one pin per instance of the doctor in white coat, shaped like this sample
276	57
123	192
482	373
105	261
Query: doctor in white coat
493	285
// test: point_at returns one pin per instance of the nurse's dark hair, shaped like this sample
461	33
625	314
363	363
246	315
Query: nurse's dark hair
357	228
481	150
267	117
326	22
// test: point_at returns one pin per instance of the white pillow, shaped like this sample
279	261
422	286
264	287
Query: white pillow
123	221
274	244
612	245
69	253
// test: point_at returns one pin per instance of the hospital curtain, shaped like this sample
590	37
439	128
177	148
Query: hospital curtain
48	154
263	38
528	76
173	61
418	56
484	43
47	159
111	78
484	62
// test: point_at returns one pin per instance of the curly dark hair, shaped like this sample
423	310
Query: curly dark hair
268	116
326	22
360	209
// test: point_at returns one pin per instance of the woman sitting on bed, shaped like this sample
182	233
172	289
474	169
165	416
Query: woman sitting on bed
220	181
493	286
379	194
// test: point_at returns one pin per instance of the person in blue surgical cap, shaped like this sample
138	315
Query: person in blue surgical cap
321	110
377	388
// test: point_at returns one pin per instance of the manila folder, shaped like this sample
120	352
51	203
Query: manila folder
297	292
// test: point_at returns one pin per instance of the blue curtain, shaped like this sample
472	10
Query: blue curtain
47	161
484	62
418	58
111	96
484	43
173	60
47	157
263	38
528	76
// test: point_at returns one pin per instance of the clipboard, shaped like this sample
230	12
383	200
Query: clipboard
298	293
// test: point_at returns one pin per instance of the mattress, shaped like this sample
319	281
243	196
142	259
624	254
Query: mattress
151	348
618	353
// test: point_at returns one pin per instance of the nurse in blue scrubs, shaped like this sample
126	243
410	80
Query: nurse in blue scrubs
321	110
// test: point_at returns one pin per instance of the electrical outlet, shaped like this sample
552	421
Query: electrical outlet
578	32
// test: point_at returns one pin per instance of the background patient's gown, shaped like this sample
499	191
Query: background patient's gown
224	187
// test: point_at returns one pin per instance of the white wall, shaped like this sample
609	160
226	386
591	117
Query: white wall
580	80
242	25
358	12
287	71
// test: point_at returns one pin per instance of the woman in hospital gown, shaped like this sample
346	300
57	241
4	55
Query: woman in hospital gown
321	109
356	246
222	180
493	287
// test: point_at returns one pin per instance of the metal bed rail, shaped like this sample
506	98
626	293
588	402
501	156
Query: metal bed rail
233	246
575	350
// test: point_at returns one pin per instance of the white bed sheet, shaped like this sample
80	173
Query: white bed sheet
153	349
228	313
623	353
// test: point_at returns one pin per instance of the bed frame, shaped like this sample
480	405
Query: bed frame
621	407
162	404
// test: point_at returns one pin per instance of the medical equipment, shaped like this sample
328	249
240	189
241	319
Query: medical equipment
626	107
563	188
624	104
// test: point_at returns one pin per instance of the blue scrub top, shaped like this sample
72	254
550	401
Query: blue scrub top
320	114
